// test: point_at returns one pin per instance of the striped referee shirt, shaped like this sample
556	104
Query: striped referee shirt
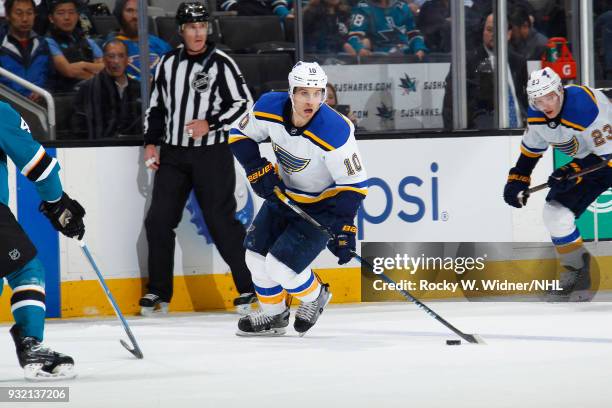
207	86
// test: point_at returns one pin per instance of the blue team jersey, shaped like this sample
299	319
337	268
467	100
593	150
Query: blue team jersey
28	155
157	49
389	28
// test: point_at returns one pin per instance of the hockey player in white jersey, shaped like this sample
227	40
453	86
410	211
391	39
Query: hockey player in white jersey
576	120
320	168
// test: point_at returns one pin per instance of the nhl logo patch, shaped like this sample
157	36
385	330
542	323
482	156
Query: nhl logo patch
200	82
552	124
14	254
293	131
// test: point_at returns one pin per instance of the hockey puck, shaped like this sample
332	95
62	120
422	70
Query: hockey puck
453	342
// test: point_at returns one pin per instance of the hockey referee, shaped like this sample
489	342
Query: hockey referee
197	94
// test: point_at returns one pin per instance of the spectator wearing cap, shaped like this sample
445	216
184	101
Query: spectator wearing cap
22	51
526	41
75	57
109	103
126	12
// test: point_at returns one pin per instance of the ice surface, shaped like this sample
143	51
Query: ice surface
376	355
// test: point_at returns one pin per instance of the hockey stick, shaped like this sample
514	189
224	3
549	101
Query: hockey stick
470	338
588	170
135	350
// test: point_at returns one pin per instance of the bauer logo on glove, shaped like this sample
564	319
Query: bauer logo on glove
260	172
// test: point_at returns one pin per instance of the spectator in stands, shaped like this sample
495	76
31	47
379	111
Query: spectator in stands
258	7
326	25
526	41
332	100
480	79
75	57
22	51
384	27
109	103
126	12
434	21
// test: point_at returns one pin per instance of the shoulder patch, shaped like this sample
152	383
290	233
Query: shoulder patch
269	106
535	117
580	109
330	130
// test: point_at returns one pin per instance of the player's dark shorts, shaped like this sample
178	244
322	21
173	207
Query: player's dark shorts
584	193
292	240
16	249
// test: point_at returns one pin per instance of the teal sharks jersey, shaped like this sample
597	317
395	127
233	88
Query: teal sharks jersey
389	28
29	156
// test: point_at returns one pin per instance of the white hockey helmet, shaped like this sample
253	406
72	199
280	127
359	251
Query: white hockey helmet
542	82
307	75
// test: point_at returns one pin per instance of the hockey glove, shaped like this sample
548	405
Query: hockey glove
263	178
514	192
342	244
559	179
66	216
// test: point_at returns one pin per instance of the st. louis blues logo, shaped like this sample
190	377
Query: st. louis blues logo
570	147
289	162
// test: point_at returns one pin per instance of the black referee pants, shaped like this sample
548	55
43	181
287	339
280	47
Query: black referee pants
209	171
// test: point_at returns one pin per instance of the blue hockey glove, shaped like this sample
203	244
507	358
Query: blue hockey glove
263	178
343	243
514	192
559	179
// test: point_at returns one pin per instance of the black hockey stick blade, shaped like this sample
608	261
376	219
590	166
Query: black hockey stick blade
134	350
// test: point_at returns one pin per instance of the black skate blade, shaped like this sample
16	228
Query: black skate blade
582	295
267	333
135	350
473	338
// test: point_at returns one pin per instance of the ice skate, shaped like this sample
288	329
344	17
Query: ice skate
260	324
246	303
576	283
39	362
308	313
151	303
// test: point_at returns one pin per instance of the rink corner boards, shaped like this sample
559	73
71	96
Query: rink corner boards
85	298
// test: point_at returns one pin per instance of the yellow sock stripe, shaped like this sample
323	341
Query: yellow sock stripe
571	247
272	300
315	284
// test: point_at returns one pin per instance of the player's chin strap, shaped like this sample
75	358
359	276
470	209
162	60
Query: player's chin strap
135	350
598	166
470	338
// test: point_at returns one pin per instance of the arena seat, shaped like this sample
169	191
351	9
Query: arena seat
265	34
264	72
